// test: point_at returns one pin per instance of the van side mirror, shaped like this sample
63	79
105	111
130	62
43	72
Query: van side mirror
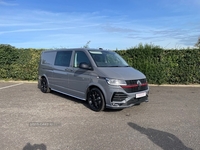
84	65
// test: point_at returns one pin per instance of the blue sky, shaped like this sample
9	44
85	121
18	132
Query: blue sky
109	24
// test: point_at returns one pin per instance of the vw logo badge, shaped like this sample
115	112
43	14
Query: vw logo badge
139	83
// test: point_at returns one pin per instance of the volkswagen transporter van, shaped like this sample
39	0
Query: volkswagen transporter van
100	77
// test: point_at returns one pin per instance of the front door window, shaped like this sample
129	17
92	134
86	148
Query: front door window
80	57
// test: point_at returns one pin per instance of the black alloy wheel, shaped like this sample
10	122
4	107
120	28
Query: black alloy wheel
96	100
44	86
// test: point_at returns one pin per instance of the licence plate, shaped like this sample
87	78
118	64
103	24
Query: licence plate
141	95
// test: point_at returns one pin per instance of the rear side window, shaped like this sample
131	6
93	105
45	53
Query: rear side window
63	58
48	58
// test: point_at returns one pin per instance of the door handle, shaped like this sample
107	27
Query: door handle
67	69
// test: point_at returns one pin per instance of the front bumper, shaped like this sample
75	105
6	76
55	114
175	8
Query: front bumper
128	102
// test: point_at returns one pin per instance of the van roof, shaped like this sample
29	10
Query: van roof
68	49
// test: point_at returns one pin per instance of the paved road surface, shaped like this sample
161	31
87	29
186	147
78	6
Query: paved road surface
30	119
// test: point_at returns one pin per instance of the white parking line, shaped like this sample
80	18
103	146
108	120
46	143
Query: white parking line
10	86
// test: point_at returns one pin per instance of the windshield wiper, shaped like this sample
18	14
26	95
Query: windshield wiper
118	66
114	66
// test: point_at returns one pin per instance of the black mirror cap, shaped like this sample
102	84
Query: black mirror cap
84	65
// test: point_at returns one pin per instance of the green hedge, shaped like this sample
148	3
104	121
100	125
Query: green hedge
146	59
182	66
161	66
165	66
18	64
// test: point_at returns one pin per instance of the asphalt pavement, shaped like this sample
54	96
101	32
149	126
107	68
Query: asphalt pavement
30	120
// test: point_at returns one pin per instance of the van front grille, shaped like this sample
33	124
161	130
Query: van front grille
131	82
135	85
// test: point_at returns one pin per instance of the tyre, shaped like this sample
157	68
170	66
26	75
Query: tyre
96	100
137	104
44	86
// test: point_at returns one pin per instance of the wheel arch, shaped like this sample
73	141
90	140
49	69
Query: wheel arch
41	77
44	76
95	105
99	87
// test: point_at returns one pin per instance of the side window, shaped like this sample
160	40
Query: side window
48	58
63	58
80	57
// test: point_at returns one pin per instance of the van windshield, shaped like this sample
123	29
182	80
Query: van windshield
107	59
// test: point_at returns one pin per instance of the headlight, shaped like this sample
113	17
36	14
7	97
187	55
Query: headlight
115	82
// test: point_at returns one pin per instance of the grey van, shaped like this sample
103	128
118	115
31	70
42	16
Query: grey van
100	77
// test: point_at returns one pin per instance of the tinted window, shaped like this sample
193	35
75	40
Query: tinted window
48	58
63	58
80	57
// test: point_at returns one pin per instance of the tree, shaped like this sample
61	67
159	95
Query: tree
198	43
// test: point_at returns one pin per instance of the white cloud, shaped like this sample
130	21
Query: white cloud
3	2
43	29
109	28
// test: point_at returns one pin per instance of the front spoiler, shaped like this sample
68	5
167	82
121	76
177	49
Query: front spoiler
129	103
